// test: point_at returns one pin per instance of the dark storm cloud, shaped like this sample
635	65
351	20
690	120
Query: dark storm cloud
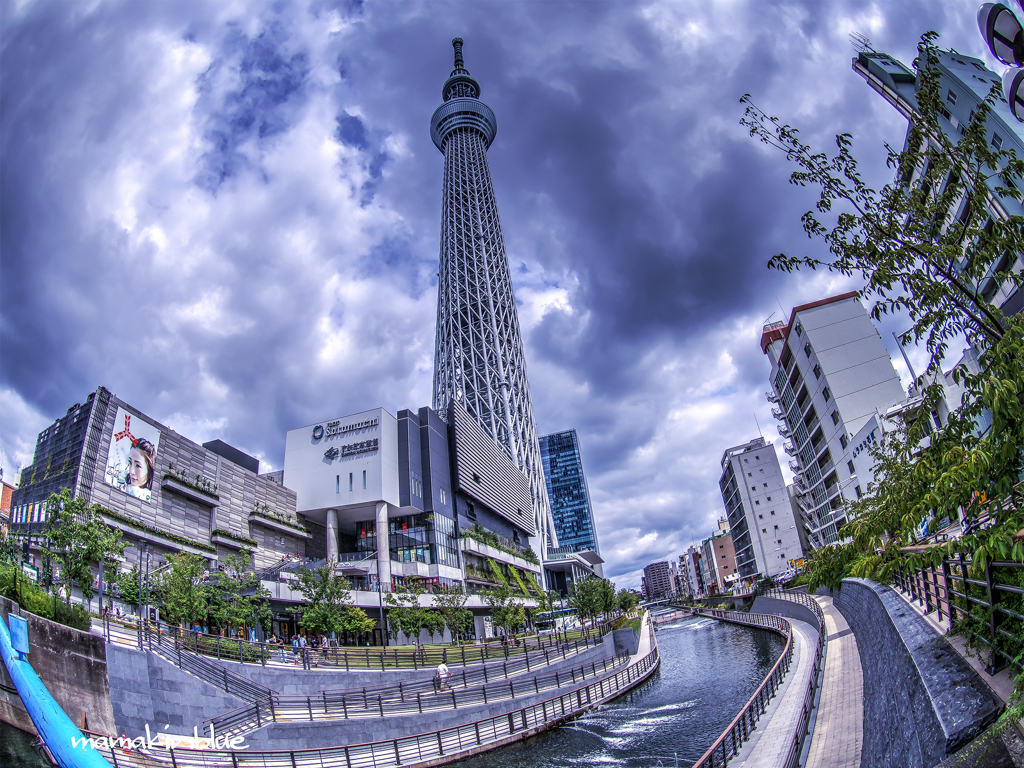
229	215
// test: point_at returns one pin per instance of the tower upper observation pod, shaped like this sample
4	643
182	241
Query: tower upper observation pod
462	107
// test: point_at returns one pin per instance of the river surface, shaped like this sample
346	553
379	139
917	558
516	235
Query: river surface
709	670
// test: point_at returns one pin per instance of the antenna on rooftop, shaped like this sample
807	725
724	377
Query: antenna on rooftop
861	42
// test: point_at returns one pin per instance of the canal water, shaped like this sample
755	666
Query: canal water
709	670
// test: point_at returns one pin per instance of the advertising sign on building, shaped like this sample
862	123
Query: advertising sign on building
131	461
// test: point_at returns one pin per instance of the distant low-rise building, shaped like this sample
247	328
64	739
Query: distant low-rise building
718	560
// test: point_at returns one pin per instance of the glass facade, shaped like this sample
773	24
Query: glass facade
567	491
422	538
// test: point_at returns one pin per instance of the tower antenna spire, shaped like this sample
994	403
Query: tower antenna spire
457	45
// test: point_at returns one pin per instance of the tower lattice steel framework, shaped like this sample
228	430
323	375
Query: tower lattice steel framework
478	354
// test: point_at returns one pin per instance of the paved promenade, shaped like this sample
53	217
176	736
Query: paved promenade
839	731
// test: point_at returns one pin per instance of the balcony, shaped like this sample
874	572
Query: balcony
784	431
771	397
795	467
778	414
789	448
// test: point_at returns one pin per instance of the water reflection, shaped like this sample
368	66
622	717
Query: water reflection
708	672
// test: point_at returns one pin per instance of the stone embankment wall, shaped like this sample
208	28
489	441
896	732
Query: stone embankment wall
922	701
72	665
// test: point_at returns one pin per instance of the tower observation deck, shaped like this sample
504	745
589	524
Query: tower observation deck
478	354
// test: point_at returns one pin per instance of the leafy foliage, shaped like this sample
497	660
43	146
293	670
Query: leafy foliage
326	595
181	591
930	251
449	603
77	537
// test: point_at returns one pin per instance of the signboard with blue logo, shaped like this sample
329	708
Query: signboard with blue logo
19	633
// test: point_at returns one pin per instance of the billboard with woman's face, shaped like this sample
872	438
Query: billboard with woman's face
131	462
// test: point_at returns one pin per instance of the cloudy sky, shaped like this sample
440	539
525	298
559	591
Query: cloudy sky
227	213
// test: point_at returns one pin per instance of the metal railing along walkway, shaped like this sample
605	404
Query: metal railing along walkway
396	657
414	697
434	746
727	746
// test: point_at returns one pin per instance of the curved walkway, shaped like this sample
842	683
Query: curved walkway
839	731
770	744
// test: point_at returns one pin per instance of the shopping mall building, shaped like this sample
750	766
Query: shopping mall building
394	499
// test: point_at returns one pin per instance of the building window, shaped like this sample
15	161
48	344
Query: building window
745	461
757	458
765	484
350	482
826	394
364	479
799	330
757	503
997	142
843	441
856	489
951	97
817	371
807	349
849	465
760	517
764	530
337	483
443	499
773	512
835	418
769	498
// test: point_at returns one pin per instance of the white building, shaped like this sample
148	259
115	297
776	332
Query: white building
411	499
764	530
830	374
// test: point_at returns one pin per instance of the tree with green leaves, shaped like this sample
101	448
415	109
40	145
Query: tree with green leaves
926	250
627	600
76	536
234	595
449	602
355	622
181	590
587	597
506	612
325	595
405	614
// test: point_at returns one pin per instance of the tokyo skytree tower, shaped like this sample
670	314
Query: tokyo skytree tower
478	354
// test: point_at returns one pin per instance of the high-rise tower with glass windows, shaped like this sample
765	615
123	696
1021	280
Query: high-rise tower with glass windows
478	356
568	492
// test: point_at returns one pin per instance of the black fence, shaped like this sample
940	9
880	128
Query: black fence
989	610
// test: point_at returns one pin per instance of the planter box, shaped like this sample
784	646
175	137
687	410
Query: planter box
171	484
226	541
278	525
467	544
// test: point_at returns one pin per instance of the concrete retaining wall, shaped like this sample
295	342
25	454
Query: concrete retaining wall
786	608
145	688
71	664
922	701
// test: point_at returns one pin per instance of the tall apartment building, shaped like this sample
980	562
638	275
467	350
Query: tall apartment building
568	492
657	580
718	560
764	530
830	373
965	82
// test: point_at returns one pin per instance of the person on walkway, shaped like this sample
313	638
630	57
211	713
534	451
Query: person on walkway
295	649
443	674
